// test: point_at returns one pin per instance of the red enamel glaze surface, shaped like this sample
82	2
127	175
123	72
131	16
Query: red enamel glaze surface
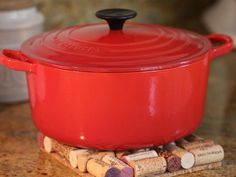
96	48
118	110
126	110
227	44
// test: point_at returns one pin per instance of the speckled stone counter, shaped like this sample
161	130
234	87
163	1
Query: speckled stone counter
20	156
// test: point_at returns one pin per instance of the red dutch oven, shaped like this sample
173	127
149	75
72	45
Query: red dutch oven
117	86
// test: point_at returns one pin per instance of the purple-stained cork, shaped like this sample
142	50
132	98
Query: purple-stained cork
173	162
100	168
126	171
113	172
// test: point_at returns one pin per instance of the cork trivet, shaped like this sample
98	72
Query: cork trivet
187	158
173	162
139	156
207	154
187	171
84	158
99	168
148	166
167	174
126	171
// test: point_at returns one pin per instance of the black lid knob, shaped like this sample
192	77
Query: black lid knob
116	17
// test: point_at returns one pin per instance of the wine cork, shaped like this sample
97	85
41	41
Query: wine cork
195	138
194	144
192	138
120	154
173	162
187	158
154	165
140	155
209	154
141	150
84	158
51	145
99	168
47	143
40	138
73	156
126	171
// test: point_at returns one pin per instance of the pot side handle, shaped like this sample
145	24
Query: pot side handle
13	59
225	47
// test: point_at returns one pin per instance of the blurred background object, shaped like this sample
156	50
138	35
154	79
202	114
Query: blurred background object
19	20
225	13
184	13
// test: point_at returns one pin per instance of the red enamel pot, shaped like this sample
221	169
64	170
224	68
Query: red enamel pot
117	86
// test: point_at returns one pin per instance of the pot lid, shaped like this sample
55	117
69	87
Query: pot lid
116	47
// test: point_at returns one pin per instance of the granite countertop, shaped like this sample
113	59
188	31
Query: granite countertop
20	156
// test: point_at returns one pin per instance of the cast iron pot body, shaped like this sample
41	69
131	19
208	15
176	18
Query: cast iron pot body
117	110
